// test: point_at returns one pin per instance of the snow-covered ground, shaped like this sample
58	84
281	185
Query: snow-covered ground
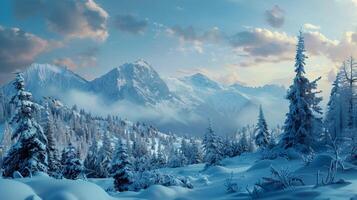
247	170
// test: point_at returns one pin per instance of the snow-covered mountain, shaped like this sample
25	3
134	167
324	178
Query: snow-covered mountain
50	80
228	107
181	105
137	82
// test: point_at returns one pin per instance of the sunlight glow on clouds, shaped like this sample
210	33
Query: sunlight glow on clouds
73	19
19	48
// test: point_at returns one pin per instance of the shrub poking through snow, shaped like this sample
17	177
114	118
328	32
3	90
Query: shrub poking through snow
308	158
280	180
231	186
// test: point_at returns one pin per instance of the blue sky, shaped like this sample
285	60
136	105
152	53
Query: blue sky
246	41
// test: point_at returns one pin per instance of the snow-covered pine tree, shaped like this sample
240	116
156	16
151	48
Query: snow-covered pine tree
105	157
212	145
54	162
262	136
160	158
350	74
196	153
91	163
243	143
300	125
72	165
28	155
176	158
335	113
5	142
121	168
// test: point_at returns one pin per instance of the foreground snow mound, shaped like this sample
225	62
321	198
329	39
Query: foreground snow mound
14	190
50	189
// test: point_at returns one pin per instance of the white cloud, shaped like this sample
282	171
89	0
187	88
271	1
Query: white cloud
309	26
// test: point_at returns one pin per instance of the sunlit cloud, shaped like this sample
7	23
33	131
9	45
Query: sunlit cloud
72	19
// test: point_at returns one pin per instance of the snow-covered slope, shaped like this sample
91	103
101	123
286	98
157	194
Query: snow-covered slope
49	80
229	106
244	171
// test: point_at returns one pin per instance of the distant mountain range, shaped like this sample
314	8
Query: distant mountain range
136	91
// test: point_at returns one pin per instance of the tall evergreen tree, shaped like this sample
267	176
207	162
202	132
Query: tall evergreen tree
196	153
105	156
262	134
212	145
350	74
299	128
121	167
244	143
91	163
335	112
160	158
54	163
28	155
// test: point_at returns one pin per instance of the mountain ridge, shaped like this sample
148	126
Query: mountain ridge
175	104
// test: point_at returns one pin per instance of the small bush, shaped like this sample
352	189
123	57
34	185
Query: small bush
231	186
308	158
280	180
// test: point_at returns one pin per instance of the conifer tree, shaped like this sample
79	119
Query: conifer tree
54	162
72	165
301	120
335	112
160	159
196	153
91	163
262	134
105	157
28	155
212	145
121	168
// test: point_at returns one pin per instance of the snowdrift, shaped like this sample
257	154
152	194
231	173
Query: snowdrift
47	188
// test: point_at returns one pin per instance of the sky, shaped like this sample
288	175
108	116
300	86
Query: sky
232	41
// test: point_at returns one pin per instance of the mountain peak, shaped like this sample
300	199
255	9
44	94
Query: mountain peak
142	62
201	80
137	82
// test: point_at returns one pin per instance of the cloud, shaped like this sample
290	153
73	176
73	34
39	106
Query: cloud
308	26
159	114
189	35
275	16
335	50
70	18
18	49
86	58
259	45
130	23
262	45
67	62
